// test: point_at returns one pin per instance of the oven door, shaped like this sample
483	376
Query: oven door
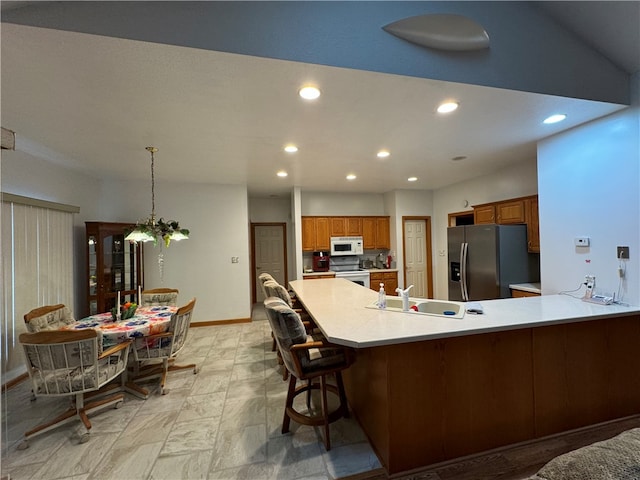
359	277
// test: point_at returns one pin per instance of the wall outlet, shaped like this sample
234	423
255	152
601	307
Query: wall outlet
581	241
623	252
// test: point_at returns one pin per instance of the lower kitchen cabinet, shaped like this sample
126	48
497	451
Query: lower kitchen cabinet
390	280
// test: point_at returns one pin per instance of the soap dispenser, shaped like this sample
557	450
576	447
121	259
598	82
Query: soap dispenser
382	297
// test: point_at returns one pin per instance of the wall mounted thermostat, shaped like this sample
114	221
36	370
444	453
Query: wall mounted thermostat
581	241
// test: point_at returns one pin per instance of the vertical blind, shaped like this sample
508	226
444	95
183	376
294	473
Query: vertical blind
37	269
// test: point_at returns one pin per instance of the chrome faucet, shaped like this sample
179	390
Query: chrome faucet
404	294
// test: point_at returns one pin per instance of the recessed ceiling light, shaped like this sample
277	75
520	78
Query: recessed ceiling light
447	107
412	179
282	173
309	93
558	117
291	149
383	154
351	176
458	158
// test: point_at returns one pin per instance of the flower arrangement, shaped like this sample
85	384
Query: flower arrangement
154	230
127	310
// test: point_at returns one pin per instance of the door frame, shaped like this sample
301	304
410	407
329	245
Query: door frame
428	253
254	293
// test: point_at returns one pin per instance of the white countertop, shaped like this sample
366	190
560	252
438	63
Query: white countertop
339	308
527	287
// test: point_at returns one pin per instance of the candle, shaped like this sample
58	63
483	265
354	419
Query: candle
139	294
118	302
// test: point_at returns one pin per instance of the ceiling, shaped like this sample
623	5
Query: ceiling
94	103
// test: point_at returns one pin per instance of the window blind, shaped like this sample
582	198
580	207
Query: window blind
37	269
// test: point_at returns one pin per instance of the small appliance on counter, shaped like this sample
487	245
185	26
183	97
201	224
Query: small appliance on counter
381	261
320	261
366	263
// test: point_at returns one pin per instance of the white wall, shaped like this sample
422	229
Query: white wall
517	180
589	185
217	217
335	204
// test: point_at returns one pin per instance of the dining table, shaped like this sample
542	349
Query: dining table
146	321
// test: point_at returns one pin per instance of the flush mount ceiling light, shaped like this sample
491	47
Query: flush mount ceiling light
282	173
558	117
412	179
151	230
441	31
309	92
351	176
383	154
291	149
447	107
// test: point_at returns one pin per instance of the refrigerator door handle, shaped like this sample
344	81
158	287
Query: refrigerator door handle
463	271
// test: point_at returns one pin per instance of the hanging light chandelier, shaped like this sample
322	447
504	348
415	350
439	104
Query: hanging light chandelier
152	230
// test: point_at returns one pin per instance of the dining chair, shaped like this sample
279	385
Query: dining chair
159	297
165	347
48	317
71	364
308	357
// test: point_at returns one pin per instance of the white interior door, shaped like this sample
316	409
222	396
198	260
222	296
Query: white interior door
269	255
415	255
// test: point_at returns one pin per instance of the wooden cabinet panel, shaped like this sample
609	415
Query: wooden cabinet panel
383	238
484	214
318	277
375	233
323	238
308	234
338	226
522	293
390	280
511	212
375	279
354	226
533	225
315	234
368	233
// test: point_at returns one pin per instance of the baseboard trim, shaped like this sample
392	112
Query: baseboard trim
213	323
12	383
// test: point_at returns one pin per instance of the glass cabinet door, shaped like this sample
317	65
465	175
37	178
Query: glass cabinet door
113	265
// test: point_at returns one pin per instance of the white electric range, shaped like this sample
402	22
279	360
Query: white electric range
348	266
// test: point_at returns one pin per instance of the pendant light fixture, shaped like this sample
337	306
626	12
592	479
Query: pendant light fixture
152	230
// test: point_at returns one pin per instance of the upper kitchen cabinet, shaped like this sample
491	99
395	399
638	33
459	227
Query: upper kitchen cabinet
346	226
315	234
533	224
484	214
513	211
113	265
375	233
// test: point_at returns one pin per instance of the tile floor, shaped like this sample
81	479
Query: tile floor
223	423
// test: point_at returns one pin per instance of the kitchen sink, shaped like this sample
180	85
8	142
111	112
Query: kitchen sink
425	306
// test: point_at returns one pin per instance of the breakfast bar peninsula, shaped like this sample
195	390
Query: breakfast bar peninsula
429	388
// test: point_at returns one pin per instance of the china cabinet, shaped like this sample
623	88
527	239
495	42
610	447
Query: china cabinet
113	265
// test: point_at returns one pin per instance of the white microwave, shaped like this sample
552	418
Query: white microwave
346	246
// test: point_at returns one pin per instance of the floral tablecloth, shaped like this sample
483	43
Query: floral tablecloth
146	321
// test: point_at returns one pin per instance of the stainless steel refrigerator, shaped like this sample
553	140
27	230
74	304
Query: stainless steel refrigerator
485	259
